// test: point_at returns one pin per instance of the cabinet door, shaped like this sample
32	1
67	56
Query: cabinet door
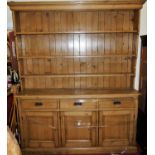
40	129
78	129
116	128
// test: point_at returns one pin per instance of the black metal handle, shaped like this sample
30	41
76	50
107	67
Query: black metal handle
77	103
117	102
38	104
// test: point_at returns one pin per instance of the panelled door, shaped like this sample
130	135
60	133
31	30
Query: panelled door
79	122
40	129
78	129
116	128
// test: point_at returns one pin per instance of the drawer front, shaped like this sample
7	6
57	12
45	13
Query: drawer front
39	104
78	104
117	103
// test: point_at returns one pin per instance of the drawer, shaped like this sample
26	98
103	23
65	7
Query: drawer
117	103
78	104
39	104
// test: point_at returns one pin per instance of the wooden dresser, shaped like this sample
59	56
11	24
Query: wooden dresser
76	63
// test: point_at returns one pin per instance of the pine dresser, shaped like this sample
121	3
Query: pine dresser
76	62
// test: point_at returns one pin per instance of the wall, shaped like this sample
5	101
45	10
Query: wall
143	31
9	19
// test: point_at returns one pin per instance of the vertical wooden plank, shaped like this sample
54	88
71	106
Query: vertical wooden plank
131	20
101	60
70	23
52	21
76	20
83	67
83	21
82	43
76	60
63	21
47	62
40	82
94	27
113	35
93	61
65	63
88	21
52	50
88	70
19	51
36	52
119	21
126	21
130	42
52	45
95	16
113	48
107	20
70	26
58	44
94	21
46	52
57	21
106	59
136	20
23	52
29	66
101	44
42	47
23	21
119	42
20	46
131	49
101	21
45	21
135	41
88	46
38	21
76	48
107	24
82	60
124	60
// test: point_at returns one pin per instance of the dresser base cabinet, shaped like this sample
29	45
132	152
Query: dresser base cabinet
78	125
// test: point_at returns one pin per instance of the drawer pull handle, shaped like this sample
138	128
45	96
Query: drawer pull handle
116	102
77	103
38	104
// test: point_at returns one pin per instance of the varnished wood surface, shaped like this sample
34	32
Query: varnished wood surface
74	32
75	93
99	127
77	5
92	150
77	49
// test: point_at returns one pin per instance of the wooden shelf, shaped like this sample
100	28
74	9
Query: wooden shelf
75	93
73	32
75	56
78	75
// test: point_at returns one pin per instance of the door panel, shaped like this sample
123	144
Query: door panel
40	129
79	129
116	128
